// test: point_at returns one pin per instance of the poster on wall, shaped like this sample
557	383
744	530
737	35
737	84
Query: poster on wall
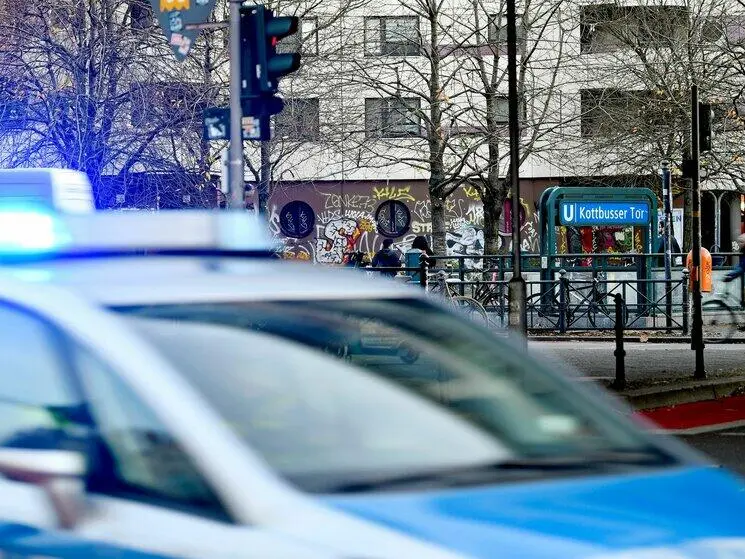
677	223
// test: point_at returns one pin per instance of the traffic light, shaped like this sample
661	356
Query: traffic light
261	65
705	132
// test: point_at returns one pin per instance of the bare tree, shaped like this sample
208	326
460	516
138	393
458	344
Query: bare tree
543	74
635	105
302	133
92	85
447	82
410	81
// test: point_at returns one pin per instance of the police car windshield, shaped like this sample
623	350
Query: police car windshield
337	394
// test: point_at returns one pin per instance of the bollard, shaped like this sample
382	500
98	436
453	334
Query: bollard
563	292
462	275
686	301
619	382
423	269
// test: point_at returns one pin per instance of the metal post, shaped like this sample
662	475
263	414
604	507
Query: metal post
686	301
462	274
423	270
563	299
667	197
619	383
697	341
517	293
235	162
262	194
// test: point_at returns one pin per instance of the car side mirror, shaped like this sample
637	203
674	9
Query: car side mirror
58	472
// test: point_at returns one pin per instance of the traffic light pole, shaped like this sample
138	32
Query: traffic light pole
697	335
235	157
517	288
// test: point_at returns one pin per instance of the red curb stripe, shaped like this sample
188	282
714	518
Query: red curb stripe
698	414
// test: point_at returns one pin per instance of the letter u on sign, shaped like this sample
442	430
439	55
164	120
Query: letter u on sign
568	212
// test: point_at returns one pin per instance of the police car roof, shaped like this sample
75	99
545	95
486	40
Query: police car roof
154	280
202	264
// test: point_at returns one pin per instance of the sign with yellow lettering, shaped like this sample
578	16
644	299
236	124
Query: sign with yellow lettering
168	5
177	17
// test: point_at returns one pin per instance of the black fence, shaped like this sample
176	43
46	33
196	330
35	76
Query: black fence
579	295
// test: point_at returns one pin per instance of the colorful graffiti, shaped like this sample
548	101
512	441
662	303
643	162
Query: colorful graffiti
345	222
339	239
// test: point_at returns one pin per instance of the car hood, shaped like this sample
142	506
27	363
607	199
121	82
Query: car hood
676	513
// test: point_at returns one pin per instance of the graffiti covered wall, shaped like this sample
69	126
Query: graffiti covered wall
325	223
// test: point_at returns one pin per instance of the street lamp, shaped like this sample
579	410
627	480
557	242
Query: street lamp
517	291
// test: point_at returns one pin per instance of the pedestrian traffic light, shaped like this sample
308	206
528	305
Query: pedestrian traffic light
262	66
705	132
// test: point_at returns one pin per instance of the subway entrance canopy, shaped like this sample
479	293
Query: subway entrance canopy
569	206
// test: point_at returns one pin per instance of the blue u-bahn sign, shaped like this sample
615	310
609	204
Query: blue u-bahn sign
585	213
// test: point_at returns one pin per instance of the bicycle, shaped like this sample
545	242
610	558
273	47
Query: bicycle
592	304
467	305
720	320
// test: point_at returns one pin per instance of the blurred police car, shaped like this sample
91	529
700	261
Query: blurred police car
169	388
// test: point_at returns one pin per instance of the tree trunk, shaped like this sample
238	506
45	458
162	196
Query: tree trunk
492	213
438	223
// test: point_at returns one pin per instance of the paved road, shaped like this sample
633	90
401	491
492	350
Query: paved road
725	447
643	360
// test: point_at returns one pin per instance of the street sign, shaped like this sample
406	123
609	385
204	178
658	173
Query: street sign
256	128
177	18
584	213
216	123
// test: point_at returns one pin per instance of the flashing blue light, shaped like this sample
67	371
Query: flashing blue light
29	231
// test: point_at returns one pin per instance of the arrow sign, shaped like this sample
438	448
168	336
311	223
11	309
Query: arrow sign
176	18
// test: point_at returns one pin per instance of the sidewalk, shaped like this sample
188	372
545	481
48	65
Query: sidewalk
648	336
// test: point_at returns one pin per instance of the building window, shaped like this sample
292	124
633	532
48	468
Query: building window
298	121
13	106
167	104
297	219
304	41
392	36
608	27
497	31
502	110
392	117
609	112
392	218
12	114
140	15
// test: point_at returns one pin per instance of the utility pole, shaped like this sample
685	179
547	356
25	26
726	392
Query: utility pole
517	289
235	158
697	337
667	196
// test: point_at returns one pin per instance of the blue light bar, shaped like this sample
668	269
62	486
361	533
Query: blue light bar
30	231
26	232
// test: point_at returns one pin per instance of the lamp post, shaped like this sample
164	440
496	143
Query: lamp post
517	288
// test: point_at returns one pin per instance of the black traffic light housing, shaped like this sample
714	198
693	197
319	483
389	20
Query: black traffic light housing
261	65
705	131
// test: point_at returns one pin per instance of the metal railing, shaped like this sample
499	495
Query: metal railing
577	297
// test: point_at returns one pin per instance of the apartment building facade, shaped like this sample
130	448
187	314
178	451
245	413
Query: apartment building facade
592	114
386	85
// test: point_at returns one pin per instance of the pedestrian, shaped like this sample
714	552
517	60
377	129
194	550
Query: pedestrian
419	247
740	270
386	257
674	247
